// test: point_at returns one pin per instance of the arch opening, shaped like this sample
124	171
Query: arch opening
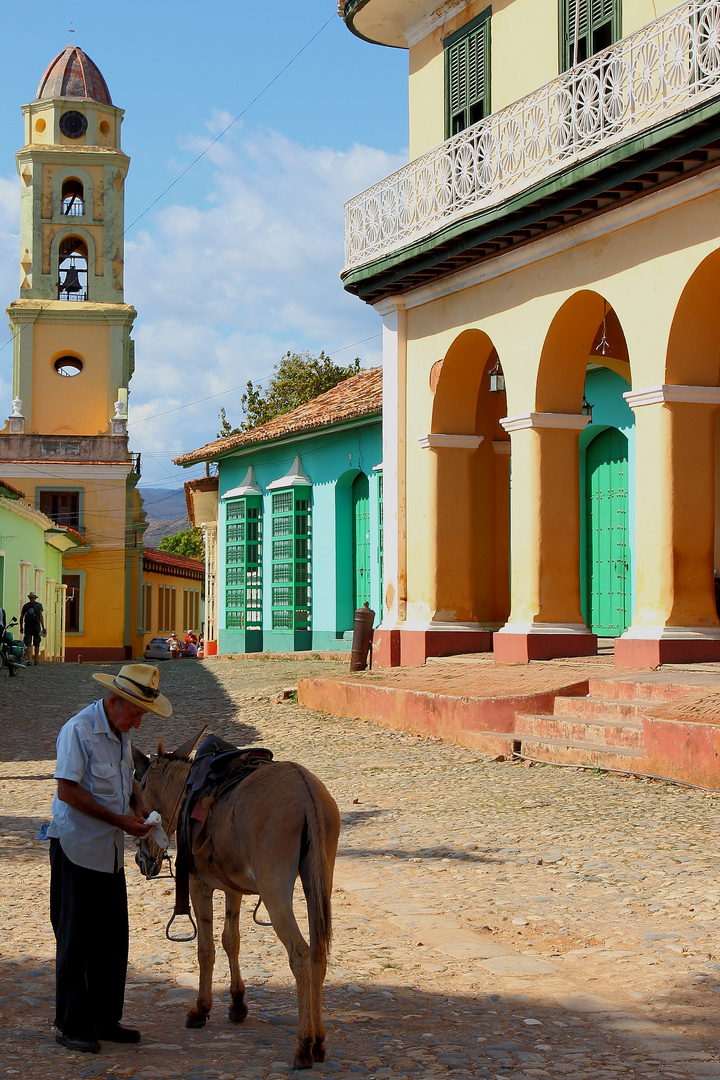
73	269
73	198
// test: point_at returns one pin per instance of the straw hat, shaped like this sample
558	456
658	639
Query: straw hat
138	683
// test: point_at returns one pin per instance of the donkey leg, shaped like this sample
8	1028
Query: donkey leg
279	908
318	968
202	903
231	944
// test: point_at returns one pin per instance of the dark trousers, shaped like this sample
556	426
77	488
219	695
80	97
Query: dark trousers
88	911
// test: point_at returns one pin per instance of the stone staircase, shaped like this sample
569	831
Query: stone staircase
605	728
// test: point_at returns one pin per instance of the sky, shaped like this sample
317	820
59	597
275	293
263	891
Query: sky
239	261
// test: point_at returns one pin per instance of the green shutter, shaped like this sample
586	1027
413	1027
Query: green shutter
361	547
243	559
467	74
599	25
291	553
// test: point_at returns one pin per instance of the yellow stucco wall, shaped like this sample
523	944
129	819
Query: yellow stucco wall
542	317
76	405
524	56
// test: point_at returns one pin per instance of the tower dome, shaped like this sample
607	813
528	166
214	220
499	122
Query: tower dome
72	74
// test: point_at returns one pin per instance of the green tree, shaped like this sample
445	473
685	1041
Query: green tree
298	378
189	542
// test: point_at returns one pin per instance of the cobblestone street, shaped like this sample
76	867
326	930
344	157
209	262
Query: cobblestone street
491	920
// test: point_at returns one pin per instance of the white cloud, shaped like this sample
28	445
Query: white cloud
225	288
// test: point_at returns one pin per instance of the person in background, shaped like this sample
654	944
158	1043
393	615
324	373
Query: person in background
32	625
175	647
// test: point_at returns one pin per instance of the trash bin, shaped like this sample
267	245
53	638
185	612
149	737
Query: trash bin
362	635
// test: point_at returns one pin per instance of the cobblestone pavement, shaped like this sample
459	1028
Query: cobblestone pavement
491	920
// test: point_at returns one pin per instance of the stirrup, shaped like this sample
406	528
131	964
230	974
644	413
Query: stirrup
174	916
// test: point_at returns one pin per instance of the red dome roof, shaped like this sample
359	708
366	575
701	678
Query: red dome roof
72	74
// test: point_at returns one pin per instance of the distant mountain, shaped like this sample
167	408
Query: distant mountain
166	511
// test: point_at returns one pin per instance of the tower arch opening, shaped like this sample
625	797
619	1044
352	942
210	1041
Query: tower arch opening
73	197
73	269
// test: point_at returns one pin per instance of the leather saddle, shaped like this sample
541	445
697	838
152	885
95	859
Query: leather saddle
218	768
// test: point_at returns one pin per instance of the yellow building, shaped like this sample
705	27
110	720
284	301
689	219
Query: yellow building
66	440
546	268
172	594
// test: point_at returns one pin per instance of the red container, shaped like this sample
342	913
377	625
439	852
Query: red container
211	648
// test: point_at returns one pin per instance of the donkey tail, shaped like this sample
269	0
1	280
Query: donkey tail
322	825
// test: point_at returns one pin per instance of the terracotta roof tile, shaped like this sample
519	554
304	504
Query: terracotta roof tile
13	490
360	395
159	561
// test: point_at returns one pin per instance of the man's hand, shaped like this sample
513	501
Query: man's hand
69	791
132	824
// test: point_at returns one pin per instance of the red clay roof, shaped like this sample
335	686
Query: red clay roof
167	562
13	490
360	395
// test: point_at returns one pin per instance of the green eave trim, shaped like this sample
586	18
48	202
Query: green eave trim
295	436
485	225
352	7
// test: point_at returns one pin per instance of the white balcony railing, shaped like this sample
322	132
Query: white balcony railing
661	71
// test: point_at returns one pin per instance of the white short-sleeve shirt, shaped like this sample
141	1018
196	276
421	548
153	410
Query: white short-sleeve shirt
90	753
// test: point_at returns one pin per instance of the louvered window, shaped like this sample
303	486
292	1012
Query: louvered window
587	27
467	74
243	563
291	559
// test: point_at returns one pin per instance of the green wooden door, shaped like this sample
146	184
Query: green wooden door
361	540
608	558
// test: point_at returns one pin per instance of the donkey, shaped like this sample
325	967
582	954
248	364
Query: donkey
281	821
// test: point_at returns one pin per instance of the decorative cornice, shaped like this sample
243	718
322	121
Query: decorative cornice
249	486
534	420
296	477
456	442
27	311
662	395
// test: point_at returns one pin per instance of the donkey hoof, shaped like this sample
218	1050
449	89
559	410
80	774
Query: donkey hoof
303	1061
237	1012
318	1051
195	1019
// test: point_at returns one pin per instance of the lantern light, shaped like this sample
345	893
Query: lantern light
497	379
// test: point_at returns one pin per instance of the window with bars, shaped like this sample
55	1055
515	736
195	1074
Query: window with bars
467	74
191	609
167	600
291	552
587	27
243	563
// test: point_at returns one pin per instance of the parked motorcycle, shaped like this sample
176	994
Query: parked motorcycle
12	652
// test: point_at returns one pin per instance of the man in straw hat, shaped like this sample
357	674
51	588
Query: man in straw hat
95	805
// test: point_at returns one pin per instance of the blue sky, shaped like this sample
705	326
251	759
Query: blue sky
239	261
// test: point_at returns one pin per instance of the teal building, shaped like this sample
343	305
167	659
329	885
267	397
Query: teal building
298	545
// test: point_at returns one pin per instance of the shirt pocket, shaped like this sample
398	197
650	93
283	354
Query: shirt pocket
103	778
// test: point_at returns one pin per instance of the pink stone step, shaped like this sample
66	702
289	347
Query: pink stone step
559	752
490	742
597	708
607	733
638	690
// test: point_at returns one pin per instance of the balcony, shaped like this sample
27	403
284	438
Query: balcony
639	95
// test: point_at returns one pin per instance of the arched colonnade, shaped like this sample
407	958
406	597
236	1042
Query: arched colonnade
510	511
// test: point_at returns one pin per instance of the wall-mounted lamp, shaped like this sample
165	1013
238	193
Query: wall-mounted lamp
587	408
497	379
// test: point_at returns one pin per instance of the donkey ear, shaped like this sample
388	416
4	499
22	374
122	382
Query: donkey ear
185	749
142	763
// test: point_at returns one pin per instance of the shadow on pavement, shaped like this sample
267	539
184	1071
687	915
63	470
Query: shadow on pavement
372	1025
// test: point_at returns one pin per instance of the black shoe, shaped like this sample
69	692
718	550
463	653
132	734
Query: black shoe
118	1034
83	1046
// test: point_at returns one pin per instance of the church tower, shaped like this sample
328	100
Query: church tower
65	443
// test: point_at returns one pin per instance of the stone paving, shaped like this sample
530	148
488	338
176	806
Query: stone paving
491	920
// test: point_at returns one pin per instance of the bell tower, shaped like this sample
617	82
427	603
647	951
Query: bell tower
66	439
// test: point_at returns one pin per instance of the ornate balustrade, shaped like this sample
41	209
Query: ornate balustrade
663	70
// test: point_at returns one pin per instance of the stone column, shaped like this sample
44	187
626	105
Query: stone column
452	628
386	639
545	617
675	620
